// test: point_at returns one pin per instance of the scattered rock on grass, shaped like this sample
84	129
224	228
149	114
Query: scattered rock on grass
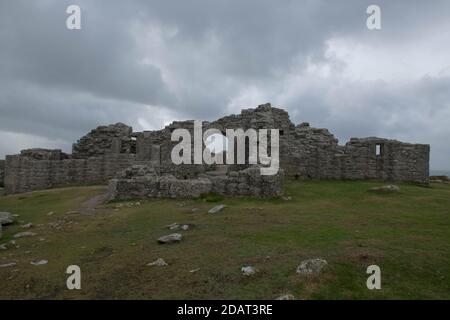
286	297
248	271
8	265
286	198
217	209
176	226
24	234
27	226
171	238
158	263
6	218
386	189
39	262
311	266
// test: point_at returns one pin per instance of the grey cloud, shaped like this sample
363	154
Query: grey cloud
143	62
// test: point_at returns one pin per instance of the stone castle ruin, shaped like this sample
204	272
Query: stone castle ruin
139	164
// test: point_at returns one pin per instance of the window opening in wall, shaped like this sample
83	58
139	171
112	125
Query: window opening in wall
378	150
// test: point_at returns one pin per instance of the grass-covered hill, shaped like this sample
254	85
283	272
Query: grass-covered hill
407	234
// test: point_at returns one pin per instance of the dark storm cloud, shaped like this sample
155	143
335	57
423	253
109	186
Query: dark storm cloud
148	62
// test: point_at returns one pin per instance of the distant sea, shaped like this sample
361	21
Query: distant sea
440	173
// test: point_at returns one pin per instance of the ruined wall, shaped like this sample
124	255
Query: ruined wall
115	138
25	174
2	173
156	148
315	154
396	161
305	152
143	182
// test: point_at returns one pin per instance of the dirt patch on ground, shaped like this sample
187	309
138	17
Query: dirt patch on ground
90	206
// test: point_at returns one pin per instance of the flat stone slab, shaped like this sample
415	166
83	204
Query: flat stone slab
39	262
24	234
8	265
171	238
386	189
217	209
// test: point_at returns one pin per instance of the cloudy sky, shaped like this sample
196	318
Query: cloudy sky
147	63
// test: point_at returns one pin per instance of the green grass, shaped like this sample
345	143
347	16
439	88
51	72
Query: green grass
407	234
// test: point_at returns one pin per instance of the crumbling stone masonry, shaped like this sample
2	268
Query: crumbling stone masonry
305	153
2	173
142	181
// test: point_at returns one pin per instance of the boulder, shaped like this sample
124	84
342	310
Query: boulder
6	218
248	271
158	263
171	238
311	266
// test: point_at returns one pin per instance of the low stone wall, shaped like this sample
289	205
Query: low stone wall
141	181
24	174
248	182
